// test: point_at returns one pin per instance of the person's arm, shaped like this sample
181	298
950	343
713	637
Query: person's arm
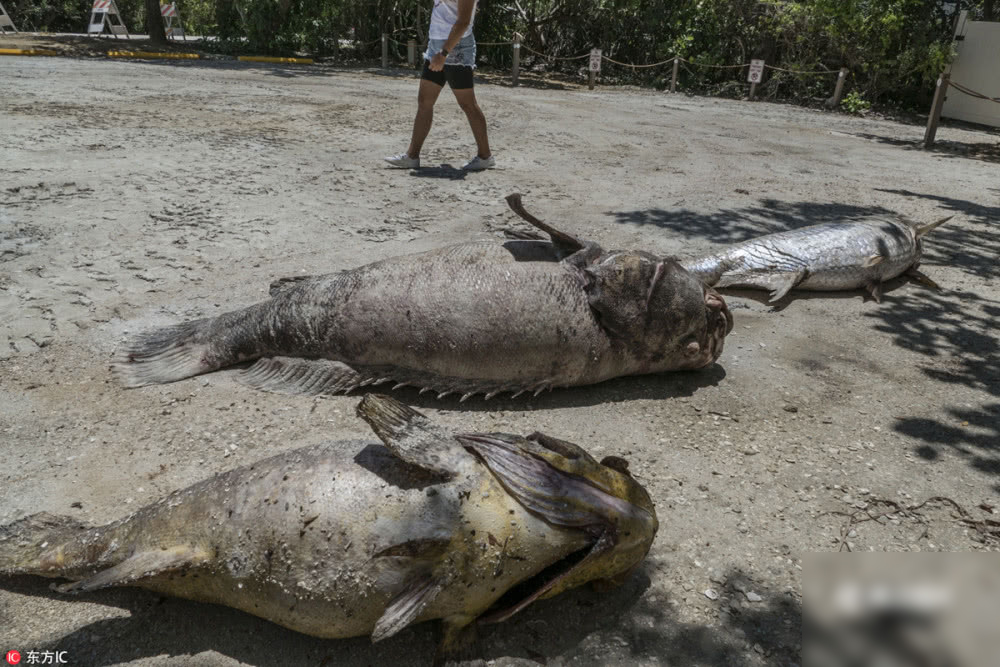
465	8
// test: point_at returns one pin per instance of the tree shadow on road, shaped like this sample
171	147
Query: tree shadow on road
740	224
978	150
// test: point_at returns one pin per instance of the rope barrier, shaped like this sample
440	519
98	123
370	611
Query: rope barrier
972	93
528	48
668	60
691	62
795	71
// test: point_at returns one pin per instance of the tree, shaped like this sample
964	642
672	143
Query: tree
154	23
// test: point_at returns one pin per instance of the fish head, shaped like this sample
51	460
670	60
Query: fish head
663	314
562	484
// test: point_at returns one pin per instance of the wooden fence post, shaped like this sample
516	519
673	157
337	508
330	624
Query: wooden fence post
838	92
385	51
594	67
753	90
411	52
935	116
516	63
673	78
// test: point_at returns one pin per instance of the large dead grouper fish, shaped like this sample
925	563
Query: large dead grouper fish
343	540
484	317
827	257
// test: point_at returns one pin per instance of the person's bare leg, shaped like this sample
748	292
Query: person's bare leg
477	120
426	97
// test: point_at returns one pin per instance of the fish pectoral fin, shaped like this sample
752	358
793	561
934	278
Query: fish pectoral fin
408	434
138	566
407	605
920	277
559	498
309	377
873	260
565	242
460	646
783	283
875	288
284	284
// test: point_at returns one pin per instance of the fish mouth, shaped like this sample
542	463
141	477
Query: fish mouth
533	588
567	488
706	349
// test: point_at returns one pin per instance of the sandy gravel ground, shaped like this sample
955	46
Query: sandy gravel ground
139	194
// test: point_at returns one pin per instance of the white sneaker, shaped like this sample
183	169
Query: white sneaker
478	164
404	161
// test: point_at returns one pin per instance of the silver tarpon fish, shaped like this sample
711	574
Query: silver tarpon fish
826	257
350	539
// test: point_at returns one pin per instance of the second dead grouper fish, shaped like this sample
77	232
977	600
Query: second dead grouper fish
471	318
827	257
350	539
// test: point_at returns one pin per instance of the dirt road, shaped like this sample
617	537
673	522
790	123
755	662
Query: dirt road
137	194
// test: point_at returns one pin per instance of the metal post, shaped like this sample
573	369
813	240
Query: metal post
935	116
385	51
673	79
838	92
411	52
753	90
590	82
516	66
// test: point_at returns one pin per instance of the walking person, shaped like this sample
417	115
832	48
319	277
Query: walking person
450	57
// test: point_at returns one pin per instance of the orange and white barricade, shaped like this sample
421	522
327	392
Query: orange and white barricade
172	21
5	21
104	14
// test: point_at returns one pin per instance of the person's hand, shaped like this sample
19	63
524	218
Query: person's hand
437	62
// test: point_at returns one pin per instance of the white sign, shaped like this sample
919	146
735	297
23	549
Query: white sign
595	60
756	71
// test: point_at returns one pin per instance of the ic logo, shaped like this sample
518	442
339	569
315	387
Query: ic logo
13	657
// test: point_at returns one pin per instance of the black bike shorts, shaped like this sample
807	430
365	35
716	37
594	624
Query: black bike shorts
459	77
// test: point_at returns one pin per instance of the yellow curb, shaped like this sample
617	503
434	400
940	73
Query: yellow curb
148	54
27	52
268	59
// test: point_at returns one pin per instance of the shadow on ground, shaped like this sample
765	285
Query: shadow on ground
740	224
625	621
985	151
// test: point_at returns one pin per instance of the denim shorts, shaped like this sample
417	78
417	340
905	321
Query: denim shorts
463	54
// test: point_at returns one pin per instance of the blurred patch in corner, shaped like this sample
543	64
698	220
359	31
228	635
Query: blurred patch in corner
901	610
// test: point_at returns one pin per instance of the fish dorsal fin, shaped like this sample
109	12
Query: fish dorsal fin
139	566
408	434
282	285
567	243
407	605
923	230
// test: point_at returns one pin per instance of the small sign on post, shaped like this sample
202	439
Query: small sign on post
595	66
755	75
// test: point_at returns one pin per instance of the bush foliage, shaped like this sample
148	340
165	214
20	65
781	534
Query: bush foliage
893	48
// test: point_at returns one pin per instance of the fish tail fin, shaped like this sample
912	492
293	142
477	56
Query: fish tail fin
164	355
44	544
923	230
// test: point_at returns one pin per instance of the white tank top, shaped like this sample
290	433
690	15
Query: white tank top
443	19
